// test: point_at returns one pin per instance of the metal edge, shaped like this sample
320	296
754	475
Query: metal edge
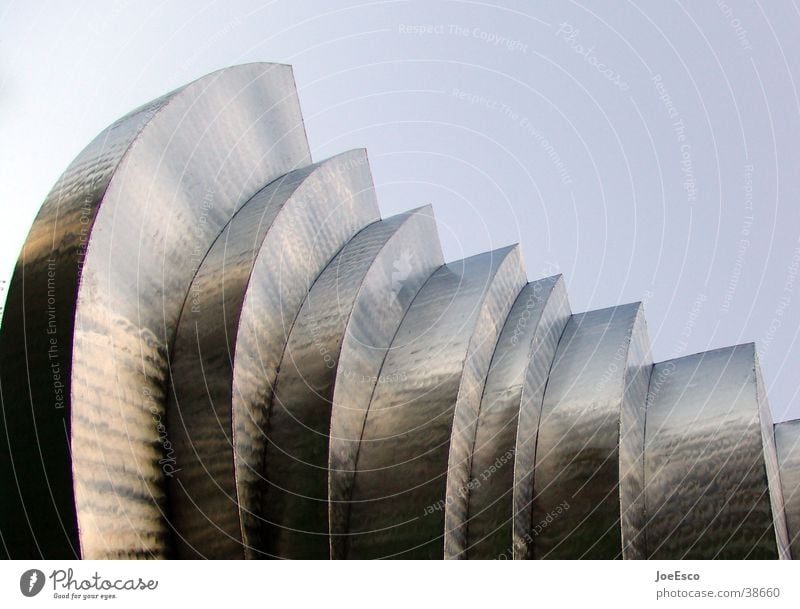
94	200
631	441
201	489
361	280
365	345
576	507
772	470
337	203
430	350
704	422
787	442
483	344
490	486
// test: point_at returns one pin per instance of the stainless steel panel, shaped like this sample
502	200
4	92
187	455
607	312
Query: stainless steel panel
711	490
301	244
204	506
418	430
95	299
335	390
787	440
375	274
589	470
513	392
545	339
512	396
233	331
381	304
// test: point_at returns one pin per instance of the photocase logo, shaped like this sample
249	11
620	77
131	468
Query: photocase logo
31	582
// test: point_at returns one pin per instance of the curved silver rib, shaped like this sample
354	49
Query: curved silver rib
588	480
787	441
414	372
377	313
418	430
712	489
115	247
545	339
360	278
333	208
233	329
505	436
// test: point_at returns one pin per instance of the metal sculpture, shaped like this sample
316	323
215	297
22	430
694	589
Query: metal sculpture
213	347
94	302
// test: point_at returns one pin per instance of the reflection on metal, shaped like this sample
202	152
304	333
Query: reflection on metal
95	299
340	203
417	429
296	465
212	347
787	441
513	392
241	308
544	342
588	475
712	487
381	304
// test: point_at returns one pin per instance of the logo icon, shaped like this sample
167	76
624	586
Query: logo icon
31	582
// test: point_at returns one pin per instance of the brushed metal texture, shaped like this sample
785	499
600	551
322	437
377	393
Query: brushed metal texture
589	473
483	501
339	204
212	347
94	303
381	305
377	272
418	430
233	330
545	339
709	465
787	441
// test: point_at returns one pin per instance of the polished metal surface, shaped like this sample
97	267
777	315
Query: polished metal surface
234	327
505	438
712	489
376	273
545	340
212	347
588	475
333	209
513	392
418	430
95	299
377	311
787	443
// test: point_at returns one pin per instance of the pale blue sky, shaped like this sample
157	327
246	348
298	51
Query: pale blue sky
647	150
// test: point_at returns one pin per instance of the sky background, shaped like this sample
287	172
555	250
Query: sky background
646	150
